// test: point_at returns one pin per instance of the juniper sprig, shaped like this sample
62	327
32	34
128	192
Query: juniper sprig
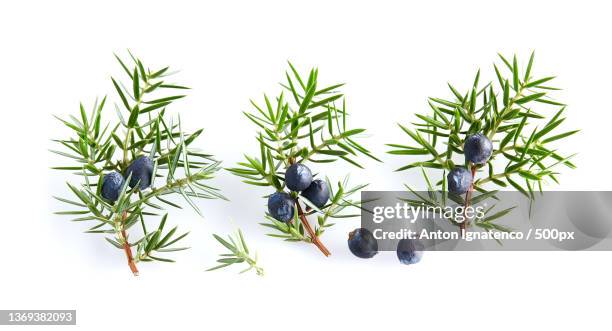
517	112
143	130
308	126
239	253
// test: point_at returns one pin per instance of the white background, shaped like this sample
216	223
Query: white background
393	55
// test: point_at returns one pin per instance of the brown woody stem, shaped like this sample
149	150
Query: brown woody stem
313	236
127	248
468	199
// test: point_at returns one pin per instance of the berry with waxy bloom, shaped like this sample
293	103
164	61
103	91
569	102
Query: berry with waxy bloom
409	251
477	148
459	180
362	243
141	170
317	193
298	177
112	184
281	206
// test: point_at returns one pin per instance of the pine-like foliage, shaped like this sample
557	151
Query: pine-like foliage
308	124
143	128
516	111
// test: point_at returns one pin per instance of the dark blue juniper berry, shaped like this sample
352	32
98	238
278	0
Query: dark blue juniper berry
477	148
298	177
459	180
112	184
141	170
281	206
362	243
409	251
317	193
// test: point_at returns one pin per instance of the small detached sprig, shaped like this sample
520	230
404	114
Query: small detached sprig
512	122
131	170
306	127
238	253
